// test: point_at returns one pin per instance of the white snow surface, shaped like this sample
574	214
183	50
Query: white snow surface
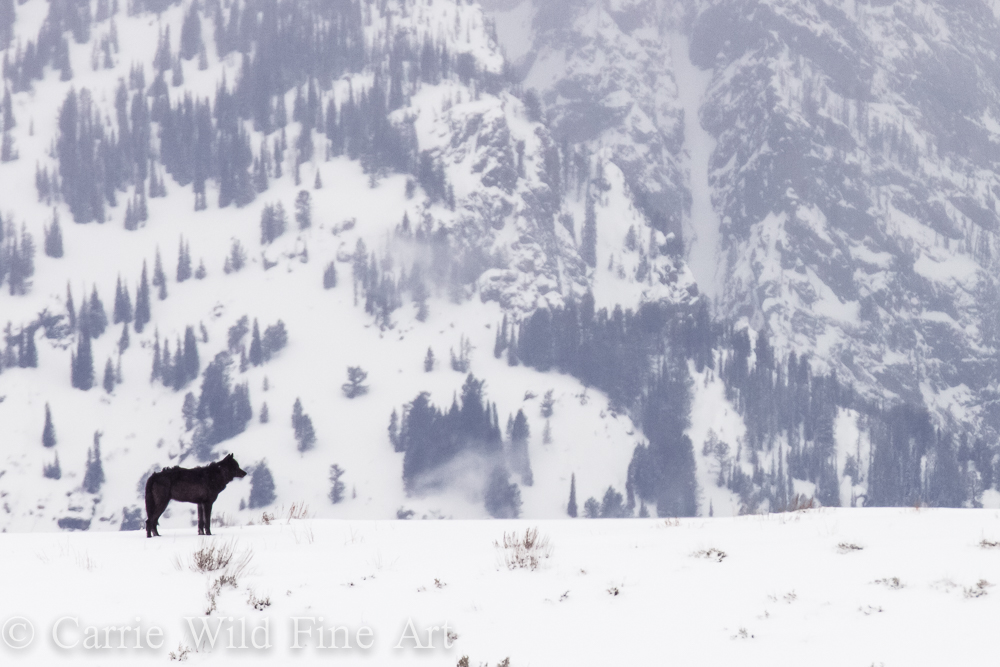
819	587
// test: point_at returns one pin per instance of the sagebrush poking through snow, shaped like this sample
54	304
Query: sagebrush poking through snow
221	556
524	551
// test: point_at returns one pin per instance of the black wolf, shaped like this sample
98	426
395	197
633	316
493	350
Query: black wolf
189	485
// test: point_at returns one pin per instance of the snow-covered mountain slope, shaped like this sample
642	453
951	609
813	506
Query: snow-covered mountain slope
823	587
486	176
755	237
604	77
852	150
855	177
833	169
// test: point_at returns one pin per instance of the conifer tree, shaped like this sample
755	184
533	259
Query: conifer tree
97	319
93	477
131	222
183	262
256	349
501	340
191	42
588	241
355	382
317	182
190	360
261	486
123	304
503	499
159	277
70	310
157	359
297	417
512	357
571	507
330	276
142	312
109	376
123	341
265	415
28	357
275	338
53	471
337	487
53	238
611	504
307	434
167	365
548	402
519	435
82	366
9	122
272	222
49	431
179	375
394	432
189	410
141	211
303	209
429	361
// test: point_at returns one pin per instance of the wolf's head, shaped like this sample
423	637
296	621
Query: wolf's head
231	467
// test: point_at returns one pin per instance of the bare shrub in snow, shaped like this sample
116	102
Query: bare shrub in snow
848	547
221	556
260	604
182	653
524	551
977	591
216	588
718	555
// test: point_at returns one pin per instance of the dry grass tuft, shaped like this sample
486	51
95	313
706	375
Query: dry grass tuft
298	511
798	503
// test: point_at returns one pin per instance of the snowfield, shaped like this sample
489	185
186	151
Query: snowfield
818	587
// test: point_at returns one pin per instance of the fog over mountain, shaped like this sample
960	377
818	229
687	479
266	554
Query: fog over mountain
519	258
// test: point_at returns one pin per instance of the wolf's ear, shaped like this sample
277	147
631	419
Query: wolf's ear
229	456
